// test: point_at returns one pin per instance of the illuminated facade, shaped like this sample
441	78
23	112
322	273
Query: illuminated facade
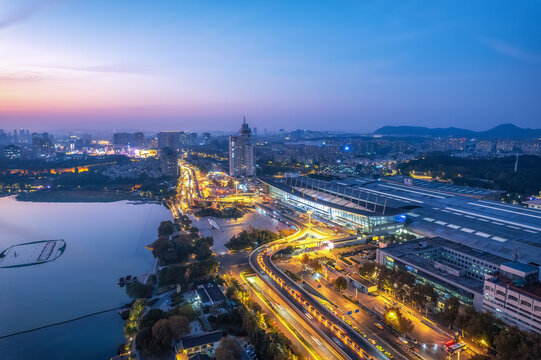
241	153
514	295
451	269
353	217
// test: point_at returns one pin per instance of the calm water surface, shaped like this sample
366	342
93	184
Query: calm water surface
104	242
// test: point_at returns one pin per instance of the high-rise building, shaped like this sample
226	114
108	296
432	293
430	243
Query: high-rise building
169	162
206	137
241	153
42	145
170	139
4	139
11	152
128	140
138	140
121	140
191	139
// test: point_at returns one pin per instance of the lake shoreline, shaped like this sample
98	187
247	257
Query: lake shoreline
82	196
105	241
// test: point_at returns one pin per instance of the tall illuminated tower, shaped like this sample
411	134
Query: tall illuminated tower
242	153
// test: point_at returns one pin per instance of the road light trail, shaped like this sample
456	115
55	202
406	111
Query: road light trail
296	326
344	339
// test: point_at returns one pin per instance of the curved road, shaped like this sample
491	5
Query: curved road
323	320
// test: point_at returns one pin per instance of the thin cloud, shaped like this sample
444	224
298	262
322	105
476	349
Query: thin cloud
21	77
17	16
510	50
112	69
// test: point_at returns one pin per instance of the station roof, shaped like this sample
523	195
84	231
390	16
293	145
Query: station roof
335	202
459	214
446	188
503	229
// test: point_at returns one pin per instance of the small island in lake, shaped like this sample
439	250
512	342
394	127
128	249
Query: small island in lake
32	253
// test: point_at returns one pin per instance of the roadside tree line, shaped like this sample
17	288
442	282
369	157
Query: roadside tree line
399	283
501	340
248	319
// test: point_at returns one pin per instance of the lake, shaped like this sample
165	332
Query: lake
104	241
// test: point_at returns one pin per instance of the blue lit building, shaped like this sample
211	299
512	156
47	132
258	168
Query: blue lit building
361	215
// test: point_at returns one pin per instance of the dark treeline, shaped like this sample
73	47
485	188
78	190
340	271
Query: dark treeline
495	173
61	162
251	238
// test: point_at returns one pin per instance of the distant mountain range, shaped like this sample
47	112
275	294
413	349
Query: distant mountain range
504	131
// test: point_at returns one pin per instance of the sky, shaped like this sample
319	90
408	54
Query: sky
322	65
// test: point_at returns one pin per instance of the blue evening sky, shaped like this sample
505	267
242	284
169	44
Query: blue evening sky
329	65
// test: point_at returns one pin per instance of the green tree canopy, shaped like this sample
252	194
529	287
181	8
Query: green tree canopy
166	228
137	290
228	349
341	283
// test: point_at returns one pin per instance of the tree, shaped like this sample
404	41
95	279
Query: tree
341	283
172	275
394	318
137	290
187	311
160	247
228	349
161	337
315	265
143	339
151	317
249	239
479	357
166	228
288	250
368	269
137	309
450	310
202	248
179	325
304	259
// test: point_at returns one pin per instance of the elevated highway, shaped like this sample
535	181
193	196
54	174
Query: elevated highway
339	335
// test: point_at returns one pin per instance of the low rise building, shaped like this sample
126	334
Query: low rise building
452	269
198	344
533	204
211	296
514	295
362	284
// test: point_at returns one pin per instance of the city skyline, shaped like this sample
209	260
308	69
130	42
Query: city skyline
270	180
98	65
